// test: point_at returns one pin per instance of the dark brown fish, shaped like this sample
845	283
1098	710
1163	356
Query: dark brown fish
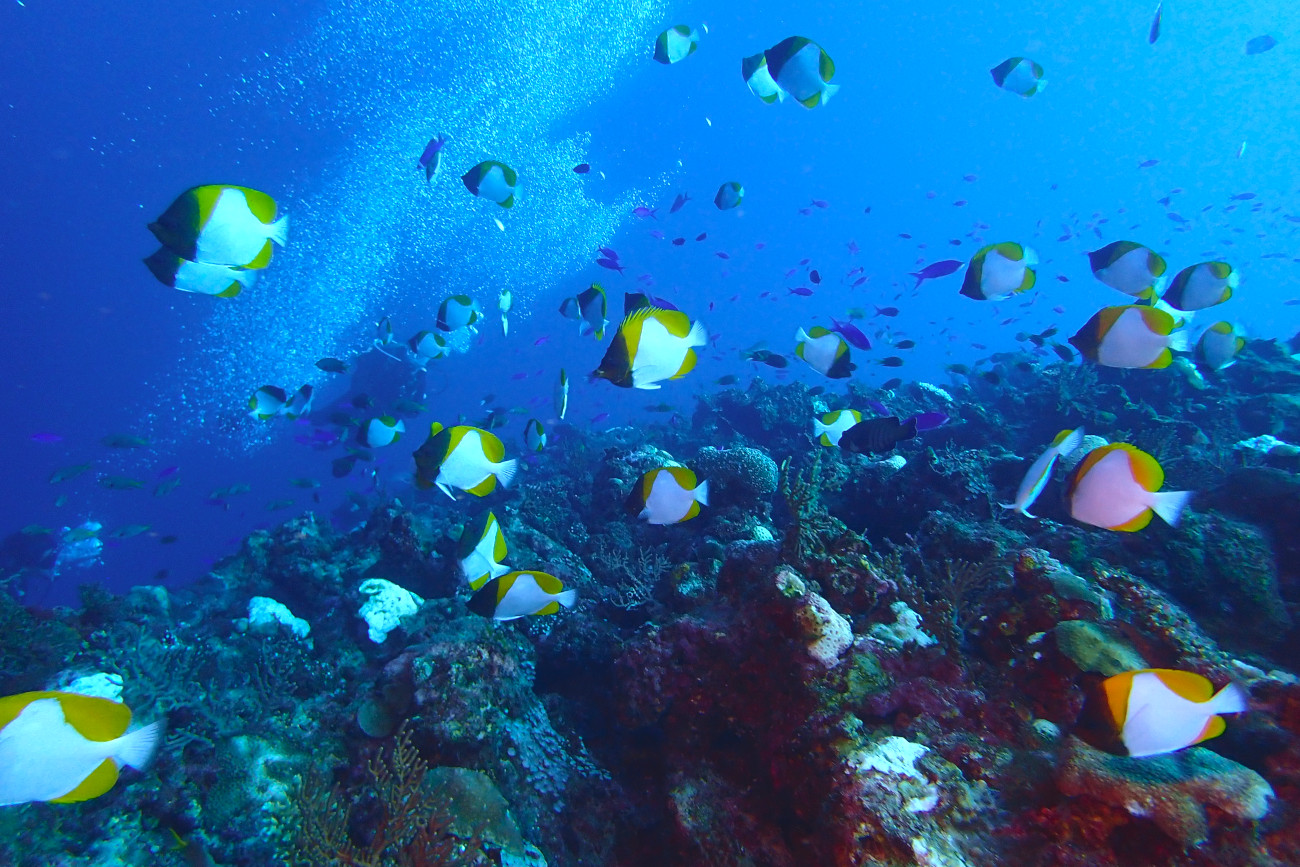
877	435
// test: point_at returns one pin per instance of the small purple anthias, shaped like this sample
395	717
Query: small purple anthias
936	269
431	157
930	420
852	333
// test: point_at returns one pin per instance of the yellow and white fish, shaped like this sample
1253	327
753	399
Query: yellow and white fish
999	271
825	351
1131	268
65	747
520	594
652	345
221	224
828	429
1161	710
1117	487
802	69
300	403
493	181
1130	336
1040	470
505	301
668	495
759	79
1020	75
198	277
481	550
562	395
427	346
1219	345
534	435
463	457
382	431
676	43
458	311
267	402
729	195
1199	286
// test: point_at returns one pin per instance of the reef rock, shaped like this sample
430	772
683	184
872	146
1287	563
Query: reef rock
1172	790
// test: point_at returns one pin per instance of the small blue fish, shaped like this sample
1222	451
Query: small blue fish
1155	26
432	156
1260	44
852	334
936	269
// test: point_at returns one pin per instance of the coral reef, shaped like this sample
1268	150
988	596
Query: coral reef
843	660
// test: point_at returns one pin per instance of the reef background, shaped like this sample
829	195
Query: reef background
842	661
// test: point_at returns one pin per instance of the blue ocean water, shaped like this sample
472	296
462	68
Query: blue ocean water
112	110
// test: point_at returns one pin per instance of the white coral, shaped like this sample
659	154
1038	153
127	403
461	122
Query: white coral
387	606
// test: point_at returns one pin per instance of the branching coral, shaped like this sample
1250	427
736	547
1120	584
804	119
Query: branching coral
411	826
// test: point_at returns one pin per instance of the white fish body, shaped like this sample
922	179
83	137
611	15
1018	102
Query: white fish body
233	235
1159	720
660	354
525	597
669	502
467	466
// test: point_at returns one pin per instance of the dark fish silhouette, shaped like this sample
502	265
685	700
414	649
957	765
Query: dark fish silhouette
1155	26
877	435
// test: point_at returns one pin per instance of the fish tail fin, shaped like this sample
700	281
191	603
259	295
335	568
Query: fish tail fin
1231	699
279	230
819	429
1169	505
1072	441
137	748
698	335
567	598
828	91
505	471
1180	341
702	493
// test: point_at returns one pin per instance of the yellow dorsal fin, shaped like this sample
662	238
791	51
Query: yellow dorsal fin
677	323
100	781
1157	320
684	477
1186	684
548	583
260	204
1146	469
435	429
1090	460
493	449
96	719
